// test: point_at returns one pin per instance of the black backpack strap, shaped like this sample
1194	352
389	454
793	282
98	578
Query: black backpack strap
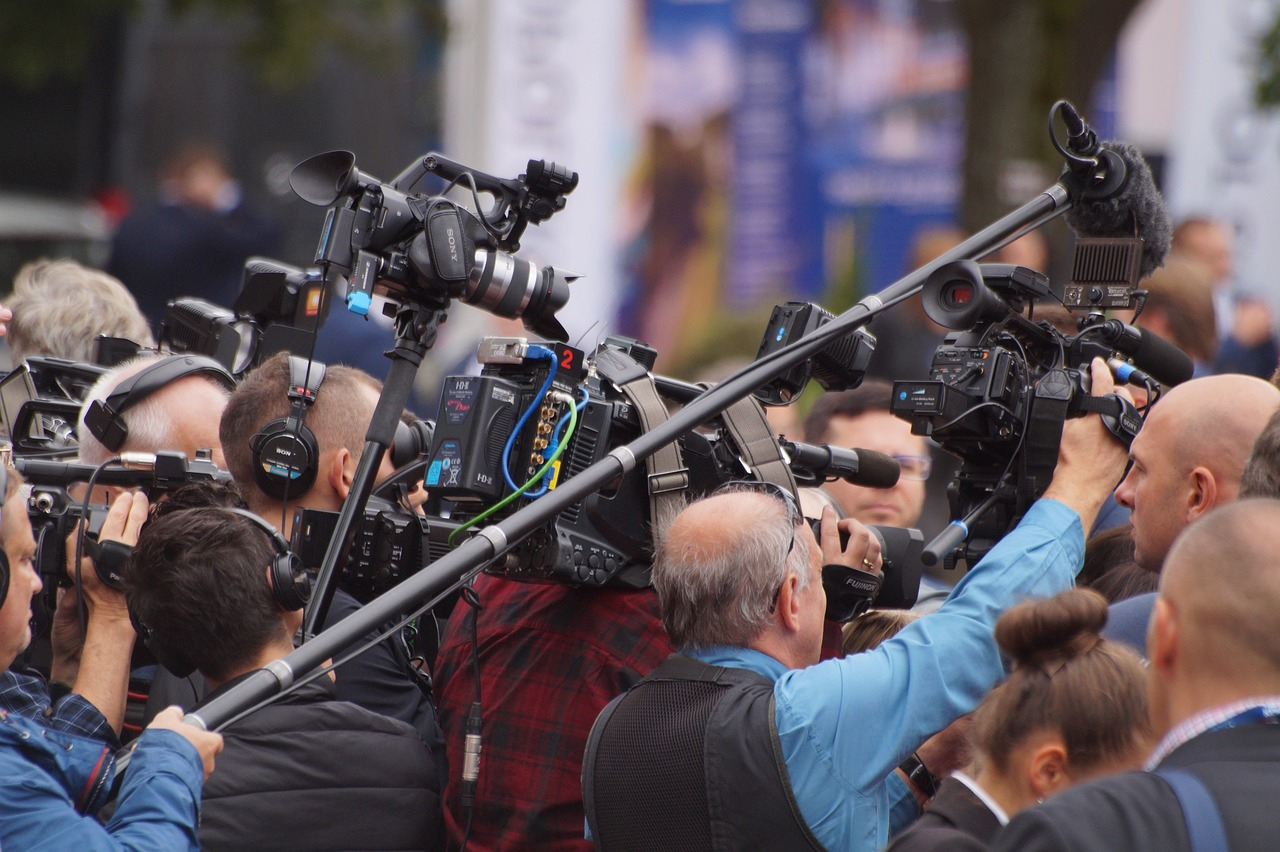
589	766
1204	822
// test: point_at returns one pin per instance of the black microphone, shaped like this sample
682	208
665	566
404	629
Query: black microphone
822	462
1114	192
1149	352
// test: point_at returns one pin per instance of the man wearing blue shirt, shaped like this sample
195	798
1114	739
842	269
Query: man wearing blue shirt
744	740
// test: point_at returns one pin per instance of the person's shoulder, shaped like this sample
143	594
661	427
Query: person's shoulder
1127	621
1135	810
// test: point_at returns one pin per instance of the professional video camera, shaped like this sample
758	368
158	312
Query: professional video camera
1002	386
534	418
55	513
279	309
429	249
40	404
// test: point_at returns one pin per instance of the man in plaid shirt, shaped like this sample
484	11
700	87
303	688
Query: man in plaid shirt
550	658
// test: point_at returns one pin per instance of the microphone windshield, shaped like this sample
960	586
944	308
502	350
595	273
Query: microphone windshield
876	470
1136	210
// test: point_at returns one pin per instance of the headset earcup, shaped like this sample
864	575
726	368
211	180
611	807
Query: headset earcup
290	583
285	459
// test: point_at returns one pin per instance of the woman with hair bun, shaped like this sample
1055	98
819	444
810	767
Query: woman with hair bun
1074	708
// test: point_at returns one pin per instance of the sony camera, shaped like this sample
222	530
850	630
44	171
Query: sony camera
429	249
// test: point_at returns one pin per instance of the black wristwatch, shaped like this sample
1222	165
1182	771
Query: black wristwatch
919	775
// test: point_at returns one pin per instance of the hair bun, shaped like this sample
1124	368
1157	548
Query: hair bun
1047	630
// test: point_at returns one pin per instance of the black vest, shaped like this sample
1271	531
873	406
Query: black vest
689	758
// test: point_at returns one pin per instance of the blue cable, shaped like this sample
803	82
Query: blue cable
546	354
555	444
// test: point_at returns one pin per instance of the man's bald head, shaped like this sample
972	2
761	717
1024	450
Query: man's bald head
1222	581
720	562
1190	455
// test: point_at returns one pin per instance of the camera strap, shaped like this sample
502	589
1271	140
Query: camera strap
746	422
668	476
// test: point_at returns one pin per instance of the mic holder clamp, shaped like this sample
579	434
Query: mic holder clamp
495	539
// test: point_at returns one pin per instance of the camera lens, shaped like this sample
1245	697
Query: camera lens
510	287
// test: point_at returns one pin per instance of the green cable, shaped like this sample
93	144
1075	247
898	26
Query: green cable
546	466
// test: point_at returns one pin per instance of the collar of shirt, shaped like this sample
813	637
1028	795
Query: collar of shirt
735	657
1243	712
976	789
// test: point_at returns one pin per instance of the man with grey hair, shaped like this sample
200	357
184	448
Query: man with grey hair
60	307
155	403
743	739
1213	680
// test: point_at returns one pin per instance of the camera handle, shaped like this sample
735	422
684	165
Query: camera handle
416	328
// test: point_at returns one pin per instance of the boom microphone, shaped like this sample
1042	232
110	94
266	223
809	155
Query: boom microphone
822	462
1118	195
1150	352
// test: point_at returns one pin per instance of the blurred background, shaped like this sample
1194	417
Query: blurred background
733	153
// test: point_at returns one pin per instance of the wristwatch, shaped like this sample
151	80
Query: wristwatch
919	775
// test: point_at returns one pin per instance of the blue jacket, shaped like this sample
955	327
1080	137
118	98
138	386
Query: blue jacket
52	782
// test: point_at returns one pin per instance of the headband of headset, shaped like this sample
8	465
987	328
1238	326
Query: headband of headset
105	418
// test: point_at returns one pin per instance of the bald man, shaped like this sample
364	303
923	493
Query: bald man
1190	455
1214	690
1187	460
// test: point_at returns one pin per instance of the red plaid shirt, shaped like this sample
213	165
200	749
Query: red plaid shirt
551	658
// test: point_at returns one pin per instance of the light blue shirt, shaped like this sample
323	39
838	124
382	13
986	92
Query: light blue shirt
846	724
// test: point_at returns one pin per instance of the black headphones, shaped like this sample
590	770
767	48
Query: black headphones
290	586
105	418
290	583
286	457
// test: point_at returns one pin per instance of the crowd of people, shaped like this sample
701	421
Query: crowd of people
1107	676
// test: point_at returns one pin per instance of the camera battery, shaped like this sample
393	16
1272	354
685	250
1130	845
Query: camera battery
477	414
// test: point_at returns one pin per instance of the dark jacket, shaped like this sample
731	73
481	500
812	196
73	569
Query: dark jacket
1138	811
310	772
955	819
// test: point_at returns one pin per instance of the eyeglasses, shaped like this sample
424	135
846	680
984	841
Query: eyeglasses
794	516
915	468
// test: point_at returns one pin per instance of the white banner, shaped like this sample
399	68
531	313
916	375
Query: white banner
545	79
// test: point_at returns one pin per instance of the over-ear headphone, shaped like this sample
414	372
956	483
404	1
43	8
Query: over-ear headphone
104	418
290	583
286	457
290	586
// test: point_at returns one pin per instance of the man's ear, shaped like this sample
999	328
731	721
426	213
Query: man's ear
340	478
1203	494
788	602
1162	636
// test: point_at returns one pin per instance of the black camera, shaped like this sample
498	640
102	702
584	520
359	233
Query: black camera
55	513
432	249
279	309
1002	385
900	571
40	404
840	366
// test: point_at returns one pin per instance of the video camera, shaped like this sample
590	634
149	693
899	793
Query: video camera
40	404
1002	386
55	513
280	308
429	249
